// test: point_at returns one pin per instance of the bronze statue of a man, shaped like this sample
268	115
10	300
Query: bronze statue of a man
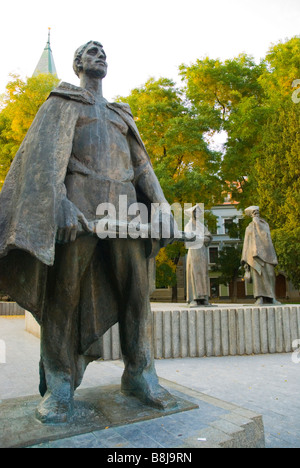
80	152
259	257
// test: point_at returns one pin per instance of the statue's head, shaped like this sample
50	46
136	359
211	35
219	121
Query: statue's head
252	211
90	58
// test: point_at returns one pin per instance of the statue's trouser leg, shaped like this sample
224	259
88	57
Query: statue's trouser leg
189	279
135	322
264	284
197	276
59	330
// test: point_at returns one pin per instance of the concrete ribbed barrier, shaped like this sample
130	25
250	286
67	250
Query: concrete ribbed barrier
180	332
10	308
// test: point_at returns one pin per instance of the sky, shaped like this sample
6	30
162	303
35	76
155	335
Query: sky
142	38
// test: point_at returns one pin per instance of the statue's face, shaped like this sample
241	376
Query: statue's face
93	61
255	213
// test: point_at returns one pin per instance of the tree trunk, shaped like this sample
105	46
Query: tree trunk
234	291
174	288
174	294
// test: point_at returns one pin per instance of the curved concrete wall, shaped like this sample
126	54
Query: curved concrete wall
217	331
10	308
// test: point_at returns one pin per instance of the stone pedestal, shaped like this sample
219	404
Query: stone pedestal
209	422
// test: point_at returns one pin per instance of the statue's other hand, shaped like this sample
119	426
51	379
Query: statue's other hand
207	241
67	222
163	225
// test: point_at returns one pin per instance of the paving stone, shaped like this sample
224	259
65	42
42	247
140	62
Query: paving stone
267	384
137	437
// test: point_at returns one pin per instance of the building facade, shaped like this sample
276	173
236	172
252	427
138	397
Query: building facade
226	214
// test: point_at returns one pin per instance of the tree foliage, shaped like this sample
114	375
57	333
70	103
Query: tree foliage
229	265
175	140
253	104
228	262
19	106
228	95
186	167
277	170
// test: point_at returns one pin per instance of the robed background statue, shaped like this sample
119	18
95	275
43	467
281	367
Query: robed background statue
80	151
197	275
259	258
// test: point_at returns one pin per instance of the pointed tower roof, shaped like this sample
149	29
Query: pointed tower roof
46	62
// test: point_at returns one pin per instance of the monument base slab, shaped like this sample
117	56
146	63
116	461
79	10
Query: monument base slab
94	409
211	422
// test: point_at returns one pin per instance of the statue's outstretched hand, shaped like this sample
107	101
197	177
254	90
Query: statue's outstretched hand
164	226
68	221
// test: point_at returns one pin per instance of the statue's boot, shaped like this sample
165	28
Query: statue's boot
56	407
206	302
275	302
146	388
259	301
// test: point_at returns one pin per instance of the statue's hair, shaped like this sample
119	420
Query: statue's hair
77	67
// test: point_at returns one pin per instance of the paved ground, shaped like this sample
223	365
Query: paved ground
267	384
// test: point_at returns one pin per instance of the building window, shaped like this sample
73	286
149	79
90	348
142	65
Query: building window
213	254
227	224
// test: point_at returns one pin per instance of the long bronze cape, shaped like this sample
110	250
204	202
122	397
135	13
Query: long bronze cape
29	202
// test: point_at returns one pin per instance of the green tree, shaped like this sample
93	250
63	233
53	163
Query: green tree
183	162
228	263
253	105
228	96
19	106
175	140
287	247
277	169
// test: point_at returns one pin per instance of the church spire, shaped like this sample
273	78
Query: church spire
46	62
